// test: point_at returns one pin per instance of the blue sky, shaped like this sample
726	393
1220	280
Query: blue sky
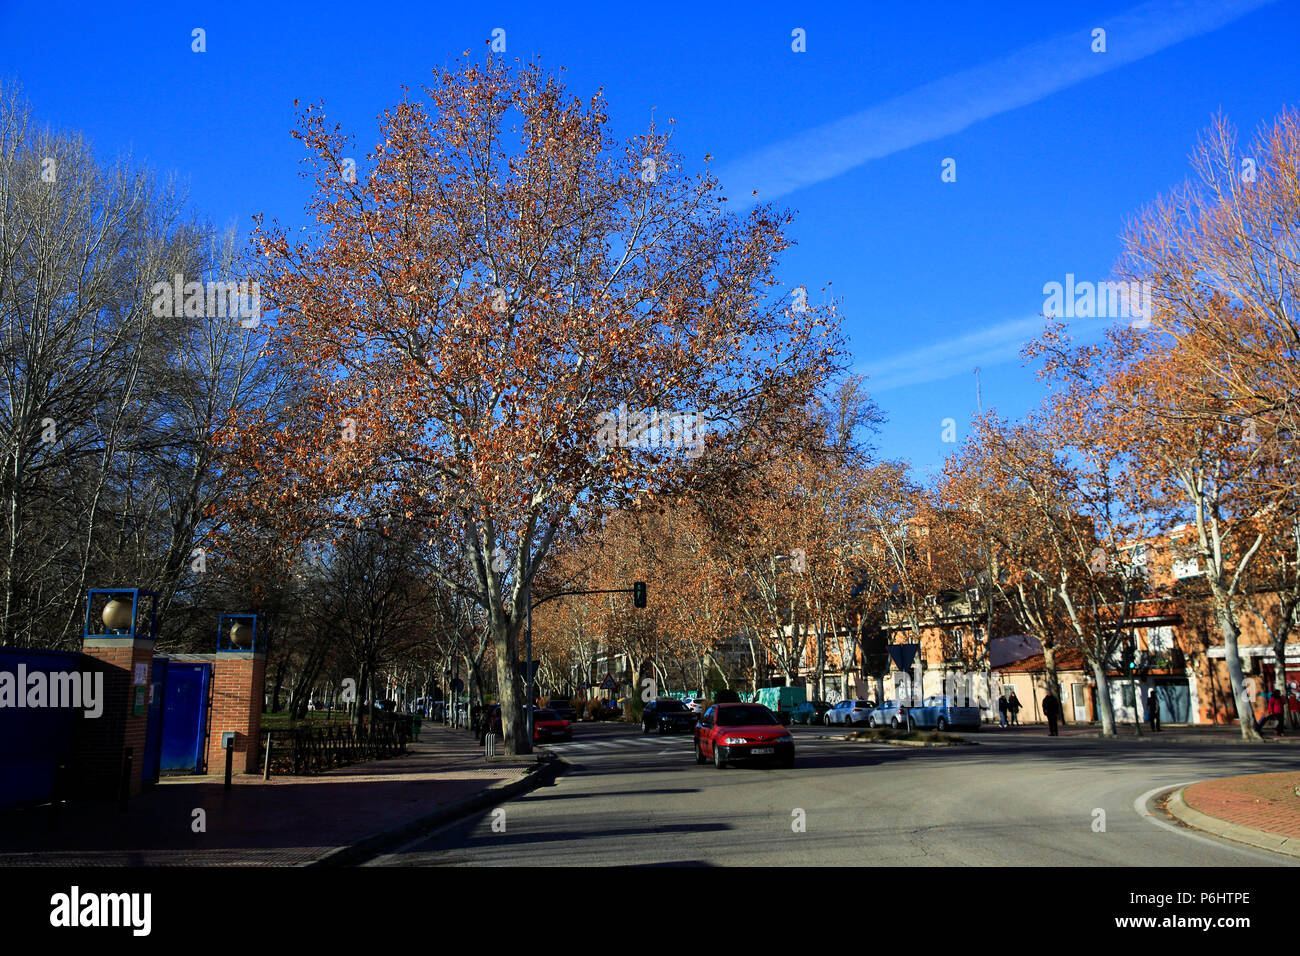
1055	146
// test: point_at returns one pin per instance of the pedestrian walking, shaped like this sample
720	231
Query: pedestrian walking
1153	710
1293	704
1013	707
1052	709
1002	709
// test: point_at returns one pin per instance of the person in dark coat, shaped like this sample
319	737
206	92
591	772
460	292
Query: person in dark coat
1013	707
1002	709
1153	710
1052	710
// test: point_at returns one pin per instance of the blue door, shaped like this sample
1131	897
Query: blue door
185	717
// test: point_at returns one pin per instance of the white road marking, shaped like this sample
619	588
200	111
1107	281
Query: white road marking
1140	806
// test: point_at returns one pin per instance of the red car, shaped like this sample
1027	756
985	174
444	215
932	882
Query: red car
728	732
548	725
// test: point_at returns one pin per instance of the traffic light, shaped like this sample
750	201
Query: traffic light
638	593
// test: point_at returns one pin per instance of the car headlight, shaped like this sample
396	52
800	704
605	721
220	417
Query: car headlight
735	740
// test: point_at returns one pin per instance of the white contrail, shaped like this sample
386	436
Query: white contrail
951	104
986	347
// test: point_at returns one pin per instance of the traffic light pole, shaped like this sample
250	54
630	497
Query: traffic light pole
638	592
557	594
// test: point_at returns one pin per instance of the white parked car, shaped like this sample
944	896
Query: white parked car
694	704
849	712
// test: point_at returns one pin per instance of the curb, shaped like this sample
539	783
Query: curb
1260	839
364	849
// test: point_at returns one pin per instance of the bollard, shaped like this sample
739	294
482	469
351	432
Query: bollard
230	762
124	785
490	745
266	767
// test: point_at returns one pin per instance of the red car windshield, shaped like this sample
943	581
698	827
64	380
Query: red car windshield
744	716
549	716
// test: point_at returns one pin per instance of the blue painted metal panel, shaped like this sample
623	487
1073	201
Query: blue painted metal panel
34	740
185	716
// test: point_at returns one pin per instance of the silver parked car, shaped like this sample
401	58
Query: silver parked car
943	713
848	712
890	713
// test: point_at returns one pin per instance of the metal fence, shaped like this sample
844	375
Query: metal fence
308	750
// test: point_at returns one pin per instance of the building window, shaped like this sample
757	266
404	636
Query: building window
957	639
1160	640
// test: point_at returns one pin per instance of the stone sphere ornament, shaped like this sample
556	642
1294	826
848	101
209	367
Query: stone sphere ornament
117	615
241	634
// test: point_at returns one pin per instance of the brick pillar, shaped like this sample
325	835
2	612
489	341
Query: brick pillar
102	741
237	680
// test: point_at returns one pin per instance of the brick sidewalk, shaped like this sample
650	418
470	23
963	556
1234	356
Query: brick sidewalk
1262	801
284	821
1170	733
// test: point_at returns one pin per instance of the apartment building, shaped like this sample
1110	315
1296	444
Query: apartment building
1173	646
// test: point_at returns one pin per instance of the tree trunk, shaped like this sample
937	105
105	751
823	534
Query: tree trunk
1105	709
1279	667
360	695
1049	668
514	729
1245	706
275	691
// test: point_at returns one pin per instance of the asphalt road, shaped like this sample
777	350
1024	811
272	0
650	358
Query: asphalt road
1022	800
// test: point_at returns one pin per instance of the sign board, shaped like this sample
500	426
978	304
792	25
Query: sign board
523	670
141	674
903	655
138	704
608	683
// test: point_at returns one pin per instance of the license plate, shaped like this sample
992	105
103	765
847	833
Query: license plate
762	750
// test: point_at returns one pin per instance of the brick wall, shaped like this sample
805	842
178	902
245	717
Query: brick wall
237	682
102	741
